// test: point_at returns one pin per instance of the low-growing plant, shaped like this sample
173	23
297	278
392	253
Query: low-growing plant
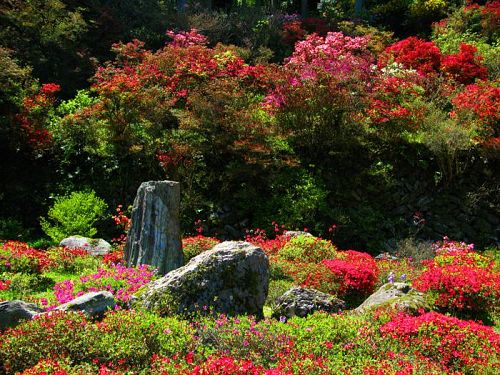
47	336
75	214
356	274
116	278
462	282
25	284
458	345
307	249
195	245
18	256
65	259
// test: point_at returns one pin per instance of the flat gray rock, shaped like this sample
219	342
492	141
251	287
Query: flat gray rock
303	301
92	246
13	313
399	295
93	304
232	278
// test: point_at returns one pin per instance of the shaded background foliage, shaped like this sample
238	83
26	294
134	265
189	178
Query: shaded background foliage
130	112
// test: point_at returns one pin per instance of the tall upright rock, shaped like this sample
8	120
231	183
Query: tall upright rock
154	237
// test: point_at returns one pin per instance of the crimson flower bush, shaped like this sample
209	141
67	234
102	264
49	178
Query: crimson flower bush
413	53
458	345
357	275
18	256
463	282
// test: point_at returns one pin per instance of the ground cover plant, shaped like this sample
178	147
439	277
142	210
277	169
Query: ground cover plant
375	138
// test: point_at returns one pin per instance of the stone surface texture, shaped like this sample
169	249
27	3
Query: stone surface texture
301	302
399	295
13	313
93	304
154	237
232	278
92	246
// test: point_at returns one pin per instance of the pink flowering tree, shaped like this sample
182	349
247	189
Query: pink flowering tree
321	88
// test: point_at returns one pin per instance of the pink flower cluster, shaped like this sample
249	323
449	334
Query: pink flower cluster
116	278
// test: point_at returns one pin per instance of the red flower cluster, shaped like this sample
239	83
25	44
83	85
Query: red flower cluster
18	256
464	67
480	101
414	53
4	284
32	116
454	343
356	271
463	281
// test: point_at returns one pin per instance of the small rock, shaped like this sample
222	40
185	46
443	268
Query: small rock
302	302
13	313
296	233
92	246
399	295
93	304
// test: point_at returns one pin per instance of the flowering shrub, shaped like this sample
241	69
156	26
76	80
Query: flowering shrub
458	345
45	337
65	259
18	256
123	223
193	246
357	274
396	103
272	246
464	283
477	107
122	341
113	257
413	53
4	284
36	108
310	275
464	67
116	278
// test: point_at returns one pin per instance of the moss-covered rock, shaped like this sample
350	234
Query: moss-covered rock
398	295
232	278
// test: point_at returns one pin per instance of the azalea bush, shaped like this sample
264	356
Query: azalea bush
121	281
455	344
195	245
307	249
18	256
463	282
356	274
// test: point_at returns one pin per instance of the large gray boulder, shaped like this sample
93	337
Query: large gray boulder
93	304
13	313
92	246
154	237
302	302
398	295
232	278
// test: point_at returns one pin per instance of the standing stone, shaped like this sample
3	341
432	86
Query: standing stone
154	237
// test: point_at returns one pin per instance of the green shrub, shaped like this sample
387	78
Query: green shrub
75	214
23	284
122	338
308	249
131	338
